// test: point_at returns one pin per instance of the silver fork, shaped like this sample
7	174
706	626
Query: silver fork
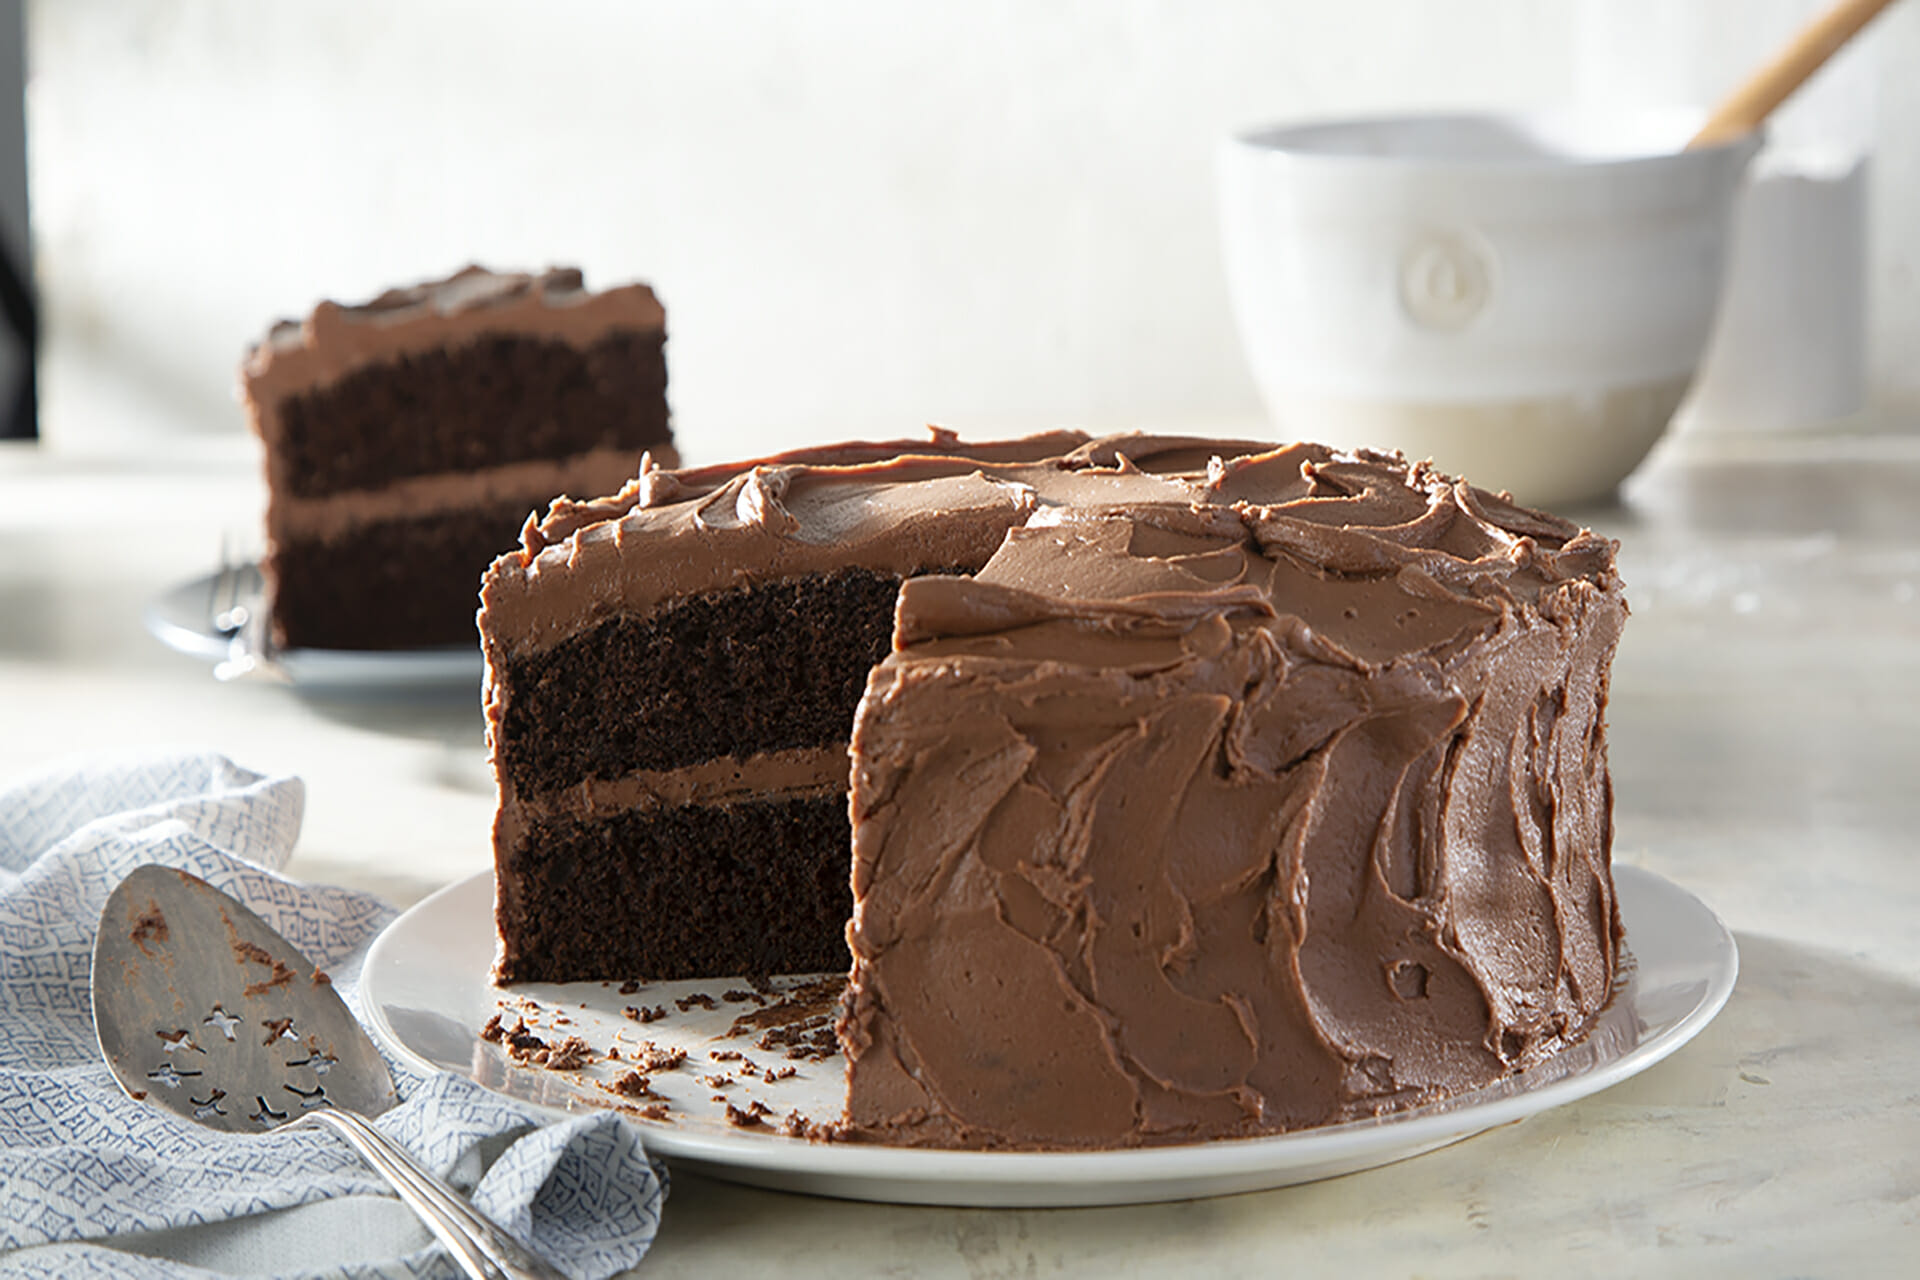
235	609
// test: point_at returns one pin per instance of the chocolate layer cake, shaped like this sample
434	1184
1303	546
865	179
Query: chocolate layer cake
1198	788
408	439
672	677
1285	809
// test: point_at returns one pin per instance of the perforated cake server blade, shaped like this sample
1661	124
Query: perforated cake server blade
204	1010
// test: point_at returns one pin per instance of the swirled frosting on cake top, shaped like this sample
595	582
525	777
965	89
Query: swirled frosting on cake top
897	507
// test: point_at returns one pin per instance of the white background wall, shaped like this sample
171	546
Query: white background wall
861	214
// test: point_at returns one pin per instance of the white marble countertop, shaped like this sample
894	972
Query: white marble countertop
1766	756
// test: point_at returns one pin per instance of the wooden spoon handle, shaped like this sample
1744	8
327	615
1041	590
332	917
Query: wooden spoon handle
1742	111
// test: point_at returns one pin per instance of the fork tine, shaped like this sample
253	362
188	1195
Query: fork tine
236	589
221	585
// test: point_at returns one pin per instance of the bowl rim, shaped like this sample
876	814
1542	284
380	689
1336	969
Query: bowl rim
1287	141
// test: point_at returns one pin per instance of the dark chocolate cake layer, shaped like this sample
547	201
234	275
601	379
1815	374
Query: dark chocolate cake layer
681	892
499	399
353	592
728	673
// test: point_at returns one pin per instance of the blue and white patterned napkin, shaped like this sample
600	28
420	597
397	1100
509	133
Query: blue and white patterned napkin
93	1183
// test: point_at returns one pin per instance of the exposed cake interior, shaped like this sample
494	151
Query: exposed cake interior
734	673
689	767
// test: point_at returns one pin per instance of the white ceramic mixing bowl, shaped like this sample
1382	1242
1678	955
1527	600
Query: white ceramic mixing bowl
1523	299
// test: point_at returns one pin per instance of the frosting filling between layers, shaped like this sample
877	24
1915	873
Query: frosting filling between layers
801	771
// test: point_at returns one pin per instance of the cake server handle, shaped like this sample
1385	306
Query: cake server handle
482	1249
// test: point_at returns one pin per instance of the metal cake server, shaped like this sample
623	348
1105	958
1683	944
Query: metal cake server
203	1009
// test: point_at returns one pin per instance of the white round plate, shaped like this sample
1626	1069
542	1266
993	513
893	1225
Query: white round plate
182	619
427	995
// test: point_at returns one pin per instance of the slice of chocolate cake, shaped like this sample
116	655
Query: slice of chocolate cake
1286	809
407	439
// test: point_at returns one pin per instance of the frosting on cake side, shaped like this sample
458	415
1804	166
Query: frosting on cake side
1287	808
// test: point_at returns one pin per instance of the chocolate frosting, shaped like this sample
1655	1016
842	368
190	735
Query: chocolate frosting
1282	808
338	338
898	506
